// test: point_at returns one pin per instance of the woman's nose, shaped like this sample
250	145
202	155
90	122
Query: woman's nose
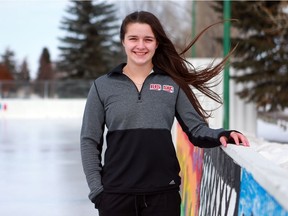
141	44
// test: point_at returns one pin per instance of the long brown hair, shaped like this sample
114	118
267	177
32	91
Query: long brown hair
170	61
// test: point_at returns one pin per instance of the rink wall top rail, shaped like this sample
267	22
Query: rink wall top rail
271	177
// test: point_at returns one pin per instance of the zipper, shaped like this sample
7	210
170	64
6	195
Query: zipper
139	95
138	92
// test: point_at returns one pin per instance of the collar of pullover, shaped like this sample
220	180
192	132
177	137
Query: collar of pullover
119	70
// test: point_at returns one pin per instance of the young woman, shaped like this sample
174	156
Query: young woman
137	102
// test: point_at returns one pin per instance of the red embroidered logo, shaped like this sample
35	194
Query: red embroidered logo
168	88
158	87
155	87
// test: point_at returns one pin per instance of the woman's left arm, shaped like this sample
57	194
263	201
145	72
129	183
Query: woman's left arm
198	130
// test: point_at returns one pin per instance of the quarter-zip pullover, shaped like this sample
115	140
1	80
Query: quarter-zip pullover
140	156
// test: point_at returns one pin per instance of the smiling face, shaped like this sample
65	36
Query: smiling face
139	43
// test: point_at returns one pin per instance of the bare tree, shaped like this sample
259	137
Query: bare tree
207	45
176	17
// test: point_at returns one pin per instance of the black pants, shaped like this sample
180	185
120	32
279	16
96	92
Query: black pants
162	204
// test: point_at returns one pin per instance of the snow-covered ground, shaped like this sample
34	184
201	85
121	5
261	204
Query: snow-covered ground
271	142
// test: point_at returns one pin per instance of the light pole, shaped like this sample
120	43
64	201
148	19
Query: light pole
226	49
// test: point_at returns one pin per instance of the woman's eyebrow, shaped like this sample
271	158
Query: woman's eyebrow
151	37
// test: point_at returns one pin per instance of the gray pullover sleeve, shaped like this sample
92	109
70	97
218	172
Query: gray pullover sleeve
194	126
91	141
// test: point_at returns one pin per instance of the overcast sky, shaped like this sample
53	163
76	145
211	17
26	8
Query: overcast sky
27	26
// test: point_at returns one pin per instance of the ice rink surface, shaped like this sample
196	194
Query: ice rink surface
41	172
40	169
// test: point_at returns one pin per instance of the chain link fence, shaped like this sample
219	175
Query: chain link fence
45	89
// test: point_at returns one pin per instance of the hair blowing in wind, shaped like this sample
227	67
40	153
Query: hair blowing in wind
173	63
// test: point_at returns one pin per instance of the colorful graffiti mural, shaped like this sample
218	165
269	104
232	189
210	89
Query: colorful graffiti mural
190	159
254	199
213	184
220	184
210	180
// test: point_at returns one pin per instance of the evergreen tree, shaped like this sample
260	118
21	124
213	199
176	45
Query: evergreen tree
24	73
262	54
45	71
90	47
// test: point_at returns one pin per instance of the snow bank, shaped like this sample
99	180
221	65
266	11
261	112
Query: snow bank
277	153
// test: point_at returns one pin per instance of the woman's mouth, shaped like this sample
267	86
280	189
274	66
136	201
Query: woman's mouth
140	53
